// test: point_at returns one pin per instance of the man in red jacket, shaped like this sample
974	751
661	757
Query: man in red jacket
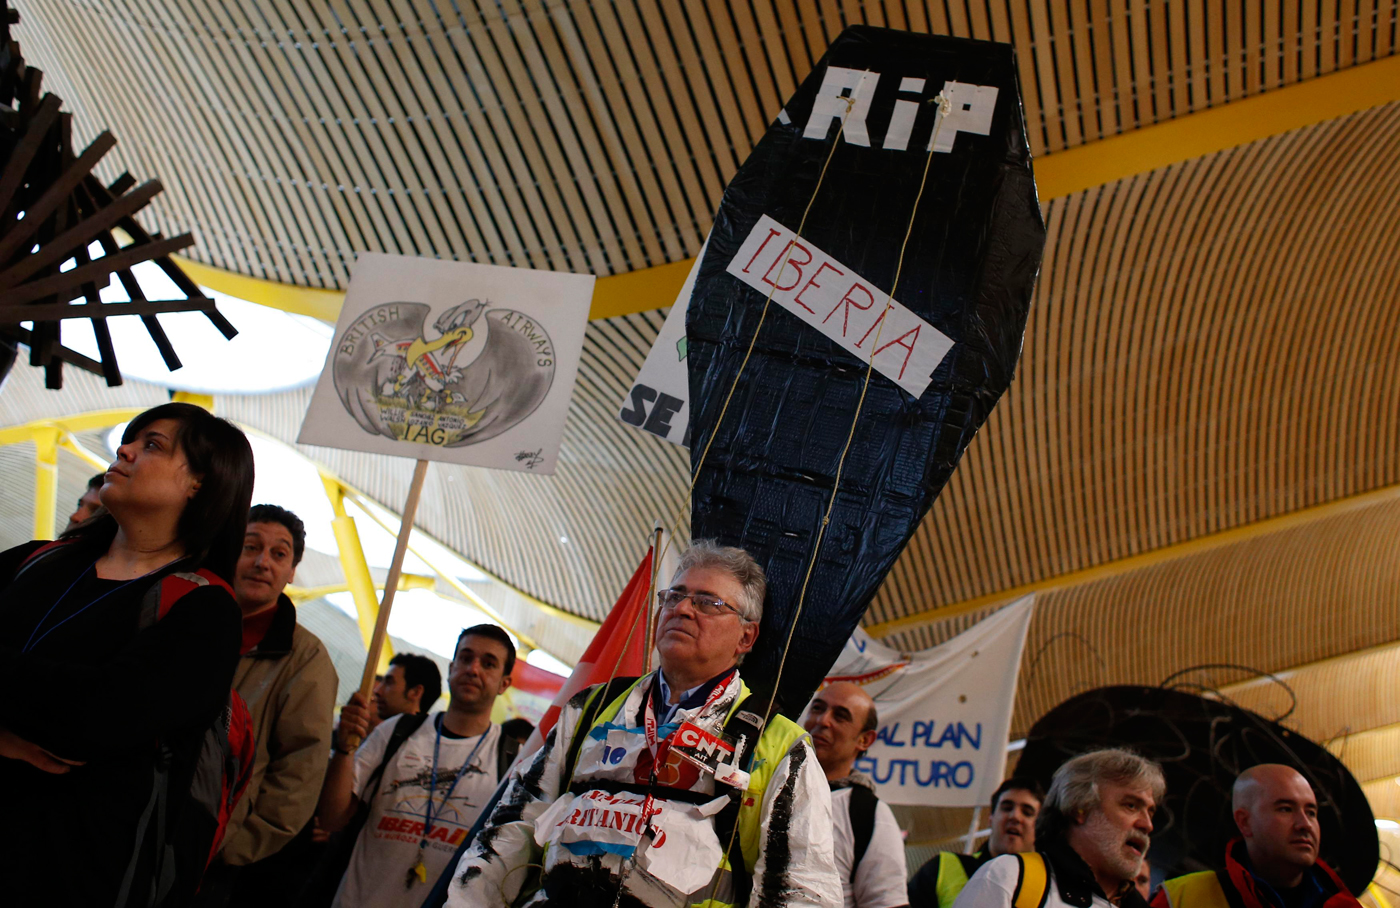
1274	864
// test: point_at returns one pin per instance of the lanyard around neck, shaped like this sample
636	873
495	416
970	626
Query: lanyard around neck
432	784
34	640
649	714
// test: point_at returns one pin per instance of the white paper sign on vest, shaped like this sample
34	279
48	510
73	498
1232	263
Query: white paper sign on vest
944	712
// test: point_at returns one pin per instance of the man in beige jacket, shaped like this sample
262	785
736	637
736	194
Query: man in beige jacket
289	683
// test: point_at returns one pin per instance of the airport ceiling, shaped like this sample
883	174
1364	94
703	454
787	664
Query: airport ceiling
1198	461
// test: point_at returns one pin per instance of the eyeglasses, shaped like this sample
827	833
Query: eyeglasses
704	603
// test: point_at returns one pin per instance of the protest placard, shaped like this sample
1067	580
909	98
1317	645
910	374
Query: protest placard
453	361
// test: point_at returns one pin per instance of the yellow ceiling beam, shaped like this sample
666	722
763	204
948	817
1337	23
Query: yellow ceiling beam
71	445
1285	674
618	294
354	566
47	436
70	425
1060	174
300	594
1121	566
322	304
364	501
638	291
1218	128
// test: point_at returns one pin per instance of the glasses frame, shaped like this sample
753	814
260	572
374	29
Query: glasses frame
687	594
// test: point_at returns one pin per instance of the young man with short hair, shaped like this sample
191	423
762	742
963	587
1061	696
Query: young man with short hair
425	795
411	685
89	503
1015	804
867	842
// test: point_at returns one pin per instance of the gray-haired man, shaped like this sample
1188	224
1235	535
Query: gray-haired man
1091	835
668	789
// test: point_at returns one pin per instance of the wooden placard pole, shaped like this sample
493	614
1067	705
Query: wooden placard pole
391	585
648	638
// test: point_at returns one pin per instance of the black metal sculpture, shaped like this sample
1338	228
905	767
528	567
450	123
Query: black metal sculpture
52	209
1202	745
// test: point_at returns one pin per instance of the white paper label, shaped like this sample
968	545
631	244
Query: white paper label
841	304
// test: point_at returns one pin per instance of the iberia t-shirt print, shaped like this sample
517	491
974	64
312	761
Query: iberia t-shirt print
387	848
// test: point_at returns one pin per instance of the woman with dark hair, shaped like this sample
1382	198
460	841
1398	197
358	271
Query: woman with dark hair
109	681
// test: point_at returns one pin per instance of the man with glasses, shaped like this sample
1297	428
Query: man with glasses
674	788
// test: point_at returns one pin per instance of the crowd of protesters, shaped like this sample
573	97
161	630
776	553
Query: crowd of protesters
167	738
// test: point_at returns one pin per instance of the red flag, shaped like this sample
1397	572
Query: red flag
531	691
616	650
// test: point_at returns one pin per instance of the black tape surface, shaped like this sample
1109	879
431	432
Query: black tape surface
968	272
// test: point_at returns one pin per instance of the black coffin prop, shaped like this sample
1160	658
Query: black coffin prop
1202	745
969	272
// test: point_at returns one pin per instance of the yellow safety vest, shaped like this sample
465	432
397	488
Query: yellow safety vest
1198	890
779	736
952	877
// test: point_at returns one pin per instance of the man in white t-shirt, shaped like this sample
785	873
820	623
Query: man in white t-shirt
869	847
432	787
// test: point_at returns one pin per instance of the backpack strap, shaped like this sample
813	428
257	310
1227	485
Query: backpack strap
38	555
507	749
601	696
861	809
1033	883
171	588
403	728
154	809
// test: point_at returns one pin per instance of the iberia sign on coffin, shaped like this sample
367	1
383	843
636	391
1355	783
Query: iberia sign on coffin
841	304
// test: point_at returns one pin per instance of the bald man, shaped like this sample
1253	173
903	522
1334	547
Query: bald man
869	847
1274	863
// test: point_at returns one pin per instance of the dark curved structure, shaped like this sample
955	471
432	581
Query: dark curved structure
1202	745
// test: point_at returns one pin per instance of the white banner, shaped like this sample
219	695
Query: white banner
659	400
945	713
454	361
832	298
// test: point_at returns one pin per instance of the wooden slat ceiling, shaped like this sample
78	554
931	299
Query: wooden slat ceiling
1269	603
1347	702
1211	344
576	136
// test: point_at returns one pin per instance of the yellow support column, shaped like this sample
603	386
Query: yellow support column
45	481
352	562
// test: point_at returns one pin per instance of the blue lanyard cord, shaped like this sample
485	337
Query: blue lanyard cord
33	641
428	811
